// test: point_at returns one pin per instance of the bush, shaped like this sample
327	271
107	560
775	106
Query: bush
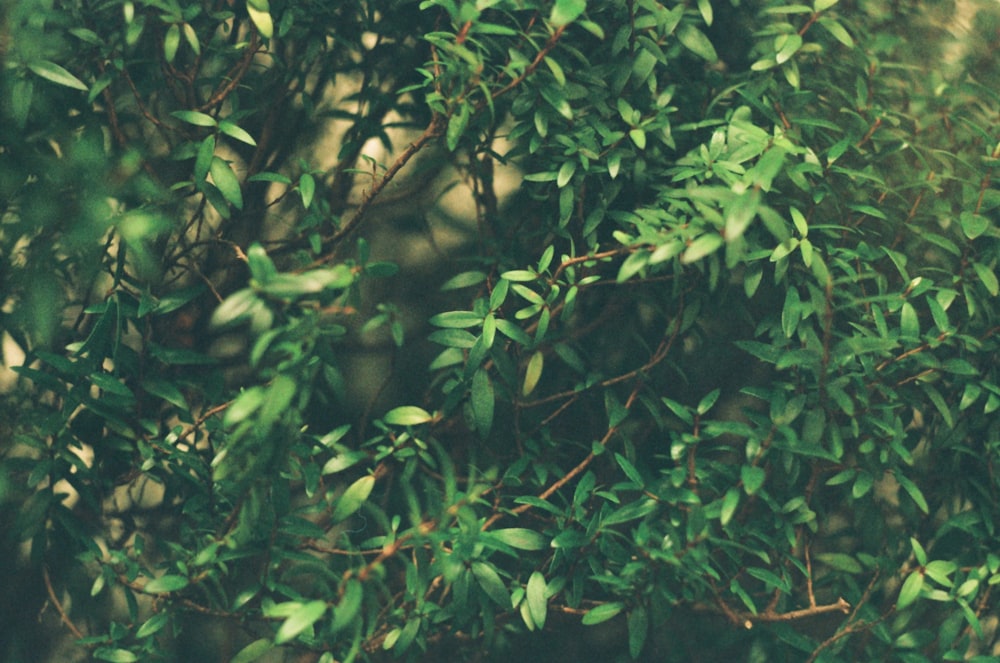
690	313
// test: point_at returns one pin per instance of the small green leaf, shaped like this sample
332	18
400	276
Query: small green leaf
566	11
638	628
823	5
702	247
729	503
253	651
225	181
166	584
203	161
482	400
490	582
116	655
261	17
910	590
195	118
629	469
533	373
171	40
236	132
456	126
463	280
456	319
602	613
695	41
54	73
535	595
353	498
988	277
304	617
521	538
407	415
840	561
153	625
752	477
914	492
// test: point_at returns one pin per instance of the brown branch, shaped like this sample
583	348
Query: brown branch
432	131
235	74
55	602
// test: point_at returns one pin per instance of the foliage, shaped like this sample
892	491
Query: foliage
728	350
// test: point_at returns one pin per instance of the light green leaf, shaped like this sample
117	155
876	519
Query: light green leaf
261	17
236	132
910	590
225	181
695	41
566	11
304	617
195	118
490	582
166	584
253	651
353	498
521	538
171	40
535	595
823	5
988	277
456	319
602	613
52	72
702	247
752	477
533	373
115	655
407	415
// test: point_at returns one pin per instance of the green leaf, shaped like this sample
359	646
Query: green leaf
253	651
225	181
537	601
455	338
730	501
602	613
463	280
533	373
521	538
261	17
914	492
823	5
638	628
695	41
195	118
456	319
629	469
52	72
166	584
456	126
482	398
988	277
910	590
407	415
153	625
752	477
171	40
353	498
236	132
702	247
840	561
350	605
566	11
304	617
707	402
203	161
490	582
115	655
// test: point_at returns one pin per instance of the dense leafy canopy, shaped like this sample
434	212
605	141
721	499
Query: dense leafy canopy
689	312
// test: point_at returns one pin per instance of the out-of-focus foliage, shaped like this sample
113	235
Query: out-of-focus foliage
720	373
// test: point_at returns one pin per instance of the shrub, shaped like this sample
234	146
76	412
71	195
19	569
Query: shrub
718	368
